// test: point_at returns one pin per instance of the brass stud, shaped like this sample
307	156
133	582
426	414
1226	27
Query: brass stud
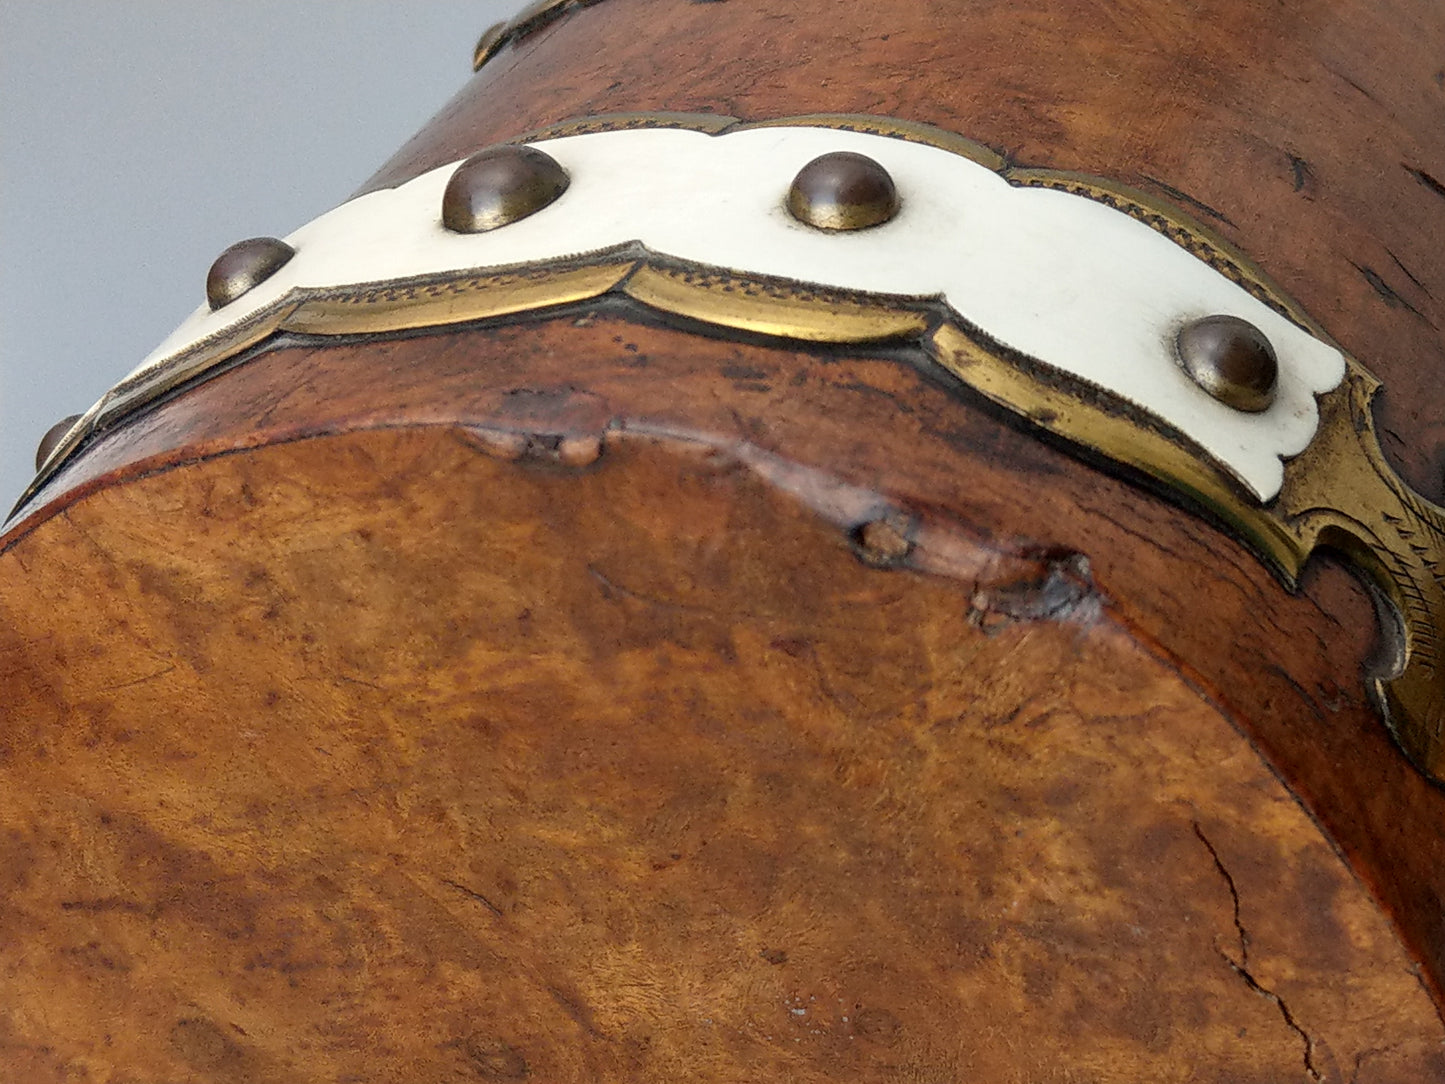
500	185
1231	359
843	191
489	45
53	436
244	266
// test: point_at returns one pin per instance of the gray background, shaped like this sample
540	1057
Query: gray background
138	140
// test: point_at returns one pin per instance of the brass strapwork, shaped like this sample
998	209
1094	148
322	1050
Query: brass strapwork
1342	493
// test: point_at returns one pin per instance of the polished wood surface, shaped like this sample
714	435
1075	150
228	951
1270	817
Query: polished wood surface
364	609
593	739
587	697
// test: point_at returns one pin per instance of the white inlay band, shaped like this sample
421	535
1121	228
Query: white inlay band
1062	278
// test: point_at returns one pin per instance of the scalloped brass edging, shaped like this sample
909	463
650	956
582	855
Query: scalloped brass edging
777	308
1096	420
1339	492
392	307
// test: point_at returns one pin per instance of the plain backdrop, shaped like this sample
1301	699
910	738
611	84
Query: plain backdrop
139	139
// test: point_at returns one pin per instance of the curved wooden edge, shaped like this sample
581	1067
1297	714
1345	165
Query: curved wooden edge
427	748
1282	667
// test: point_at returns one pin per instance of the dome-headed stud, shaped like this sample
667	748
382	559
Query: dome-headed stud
244	266
53	436
500	185
843	191
1231	359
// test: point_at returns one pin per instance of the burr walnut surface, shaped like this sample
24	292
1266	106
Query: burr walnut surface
591	699
585	697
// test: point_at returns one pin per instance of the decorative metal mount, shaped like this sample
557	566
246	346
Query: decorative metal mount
1282	477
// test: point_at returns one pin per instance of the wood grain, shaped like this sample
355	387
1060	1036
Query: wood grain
632	771
588	698
1154	620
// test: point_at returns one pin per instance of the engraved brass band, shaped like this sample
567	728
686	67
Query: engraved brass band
1340	492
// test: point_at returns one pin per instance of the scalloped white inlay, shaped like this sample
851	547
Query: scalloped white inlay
1062	278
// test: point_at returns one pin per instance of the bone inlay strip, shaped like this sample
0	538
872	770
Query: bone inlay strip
1064	279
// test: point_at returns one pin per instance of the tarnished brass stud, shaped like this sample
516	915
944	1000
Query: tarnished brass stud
244	266
843	191
53	436
1231	359
489	44
500	185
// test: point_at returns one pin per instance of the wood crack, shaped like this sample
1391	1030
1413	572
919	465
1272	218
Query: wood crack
162	672
1241	966
474	894
1424	178
1387	293
1185	198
